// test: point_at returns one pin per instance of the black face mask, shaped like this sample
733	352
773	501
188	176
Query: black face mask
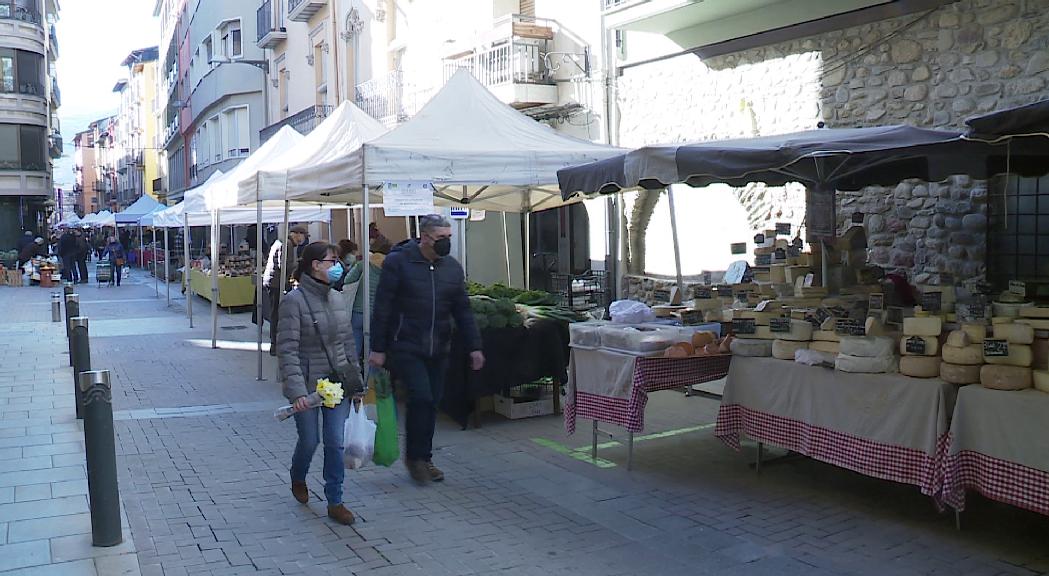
442	247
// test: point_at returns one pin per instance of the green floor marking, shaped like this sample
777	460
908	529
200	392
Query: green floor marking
583	452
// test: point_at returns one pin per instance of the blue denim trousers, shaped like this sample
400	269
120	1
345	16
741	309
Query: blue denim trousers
423	378
310	430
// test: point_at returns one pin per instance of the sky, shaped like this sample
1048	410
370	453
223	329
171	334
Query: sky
92	42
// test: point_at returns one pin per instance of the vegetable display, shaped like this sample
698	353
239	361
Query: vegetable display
499	306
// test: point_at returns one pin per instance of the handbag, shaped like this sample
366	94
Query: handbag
334	374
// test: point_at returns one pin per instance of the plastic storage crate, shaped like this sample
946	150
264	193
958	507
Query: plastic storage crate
581	291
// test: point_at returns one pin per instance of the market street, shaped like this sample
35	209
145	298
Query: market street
203	480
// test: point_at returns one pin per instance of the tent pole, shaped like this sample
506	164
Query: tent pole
167	269
215	279
186	267
142	248
366	305
528	250
408	226
258	278
156	276
506	249
283	275
677	246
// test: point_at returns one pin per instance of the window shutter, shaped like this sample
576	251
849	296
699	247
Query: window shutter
528	8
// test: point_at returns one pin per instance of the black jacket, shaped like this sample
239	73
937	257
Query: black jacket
416	301
67	245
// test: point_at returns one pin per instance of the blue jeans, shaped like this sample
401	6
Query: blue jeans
69	269
357	323
309	427
424	380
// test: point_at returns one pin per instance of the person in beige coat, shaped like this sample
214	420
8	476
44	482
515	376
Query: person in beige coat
315	341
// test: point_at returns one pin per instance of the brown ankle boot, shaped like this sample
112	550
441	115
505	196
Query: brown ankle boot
341	514
301	493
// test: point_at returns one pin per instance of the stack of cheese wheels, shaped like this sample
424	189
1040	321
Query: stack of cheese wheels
963	355
1011	372
867	354
922	333
785	344
1038	318
826	339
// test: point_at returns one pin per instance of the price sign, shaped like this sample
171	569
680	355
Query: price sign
793	252
915	345
724	291
782	228
759	239
849	327
738	247
876	302
779	325
932	301
763	260
781	254
798	242
661	295
701	292
742	298
821	316
1018	288
691	317
744	326
995	347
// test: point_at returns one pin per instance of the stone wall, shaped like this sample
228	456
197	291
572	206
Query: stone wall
931	69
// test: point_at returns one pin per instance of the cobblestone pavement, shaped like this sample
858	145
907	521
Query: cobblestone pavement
203	472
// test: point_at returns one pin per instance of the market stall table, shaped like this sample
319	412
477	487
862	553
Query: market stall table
997	448
233	290
612	387
885	426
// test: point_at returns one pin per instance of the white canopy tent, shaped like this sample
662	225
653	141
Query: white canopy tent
71	220
99	220
133	213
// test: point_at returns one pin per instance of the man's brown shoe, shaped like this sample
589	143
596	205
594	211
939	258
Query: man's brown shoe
418	470
435	473
341	514
301	493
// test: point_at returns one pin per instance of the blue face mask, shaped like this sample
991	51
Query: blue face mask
335	272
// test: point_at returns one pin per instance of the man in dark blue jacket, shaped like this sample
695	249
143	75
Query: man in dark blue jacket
421	290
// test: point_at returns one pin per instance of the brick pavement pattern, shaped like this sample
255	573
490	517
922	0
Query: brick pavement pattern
204	480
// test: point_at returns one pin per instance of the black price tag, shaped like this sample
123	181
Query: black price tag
876	302
782	228
978	308
798	243
690	317
701	292
742	298
763	260
779	325
932	301
661	295
744	326
781	254
849	327
724	291
793	252
738	247
915	345
995	347
759	239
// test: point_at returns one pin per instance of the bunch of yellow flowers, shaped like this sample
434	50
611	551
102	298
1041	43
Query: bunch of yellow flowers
331	392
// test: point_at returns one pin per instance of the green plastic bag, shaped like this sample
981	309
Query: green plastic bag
386	447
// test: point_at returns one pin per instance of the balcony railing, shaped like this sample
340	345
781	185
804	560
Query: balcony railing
53	38
54	148
389	99
303	10
303	122
269	31
519	57
615	4
16	10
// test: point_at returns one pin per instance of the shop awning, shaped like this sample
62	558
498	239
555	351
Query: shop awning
1028	120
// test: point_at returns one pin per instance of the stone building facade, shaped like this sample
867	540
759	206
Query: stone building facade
931	69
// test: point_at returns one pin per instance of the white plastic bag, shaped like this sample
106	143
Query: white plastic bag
630	312
358	438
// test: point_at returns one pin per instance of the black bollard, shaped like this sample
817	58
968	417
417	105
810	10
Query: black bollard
56	307
72	309
100	448
81	358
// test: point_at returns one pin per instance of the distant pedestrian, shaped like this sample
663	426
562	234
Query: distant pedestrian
67	251
83	251
314	341
421	290
34	249
276	282
115	252
25	240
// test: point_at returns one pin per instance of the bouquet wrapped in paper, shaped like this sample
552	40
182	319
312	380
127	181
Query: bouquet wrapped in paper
328	394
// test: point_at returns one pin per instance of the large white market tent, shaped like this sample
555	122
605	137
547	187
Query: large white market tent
71	220
98	219
139	208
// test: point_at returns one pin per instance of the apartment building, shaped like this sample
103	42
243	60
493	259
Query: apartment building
30	136
136	127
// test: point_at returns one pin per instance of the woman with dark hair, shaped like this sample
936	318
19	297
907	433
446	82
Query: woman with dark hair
314	341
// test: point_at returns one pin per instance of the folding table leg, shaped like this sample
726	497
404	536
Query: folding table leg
593	447
630	452
957	519
757	463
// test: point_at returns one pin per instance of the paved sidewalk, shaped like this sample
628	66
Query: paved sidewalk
203	472
45	525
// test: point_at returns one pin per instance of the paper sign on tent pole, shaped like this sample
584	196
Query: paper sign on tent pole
407	198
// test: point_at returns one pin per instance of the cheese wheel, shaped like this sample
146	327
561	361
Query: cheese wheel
785	349
751	347
1005	377
868	346
826	336
864	365
701	339
800	331
959	374
1014	333
1002	319
932	345
1040	351
958	338
829	347
976	332
1041	380
1034	312
778	273
1019	355
930	326
1037	324
812	357
920	366
970	355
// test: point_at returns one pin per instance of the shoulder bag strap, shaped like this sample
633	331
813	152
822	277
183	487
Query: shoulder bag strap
317	329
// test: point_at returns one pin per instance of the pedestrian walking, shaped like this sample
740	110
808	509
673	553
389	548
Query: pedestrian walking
314	341
421	290
277	283
115	252
67	252
374	263
83	251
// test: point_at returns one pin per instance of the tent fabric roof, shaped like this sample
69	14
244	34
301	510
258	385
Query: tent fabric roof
1030	119
845	158
131	215
465	136
99	219
328	160
171	217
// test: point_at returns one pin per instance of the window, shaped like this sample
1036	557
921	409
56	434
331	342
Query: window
208	51
7	70
1018	243
231	44
21	71
238	139
22	147
9	147
216	139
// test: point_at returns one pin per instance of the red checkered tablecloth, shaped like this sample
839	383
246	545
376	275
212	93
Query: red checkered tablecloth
996	479
649	375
